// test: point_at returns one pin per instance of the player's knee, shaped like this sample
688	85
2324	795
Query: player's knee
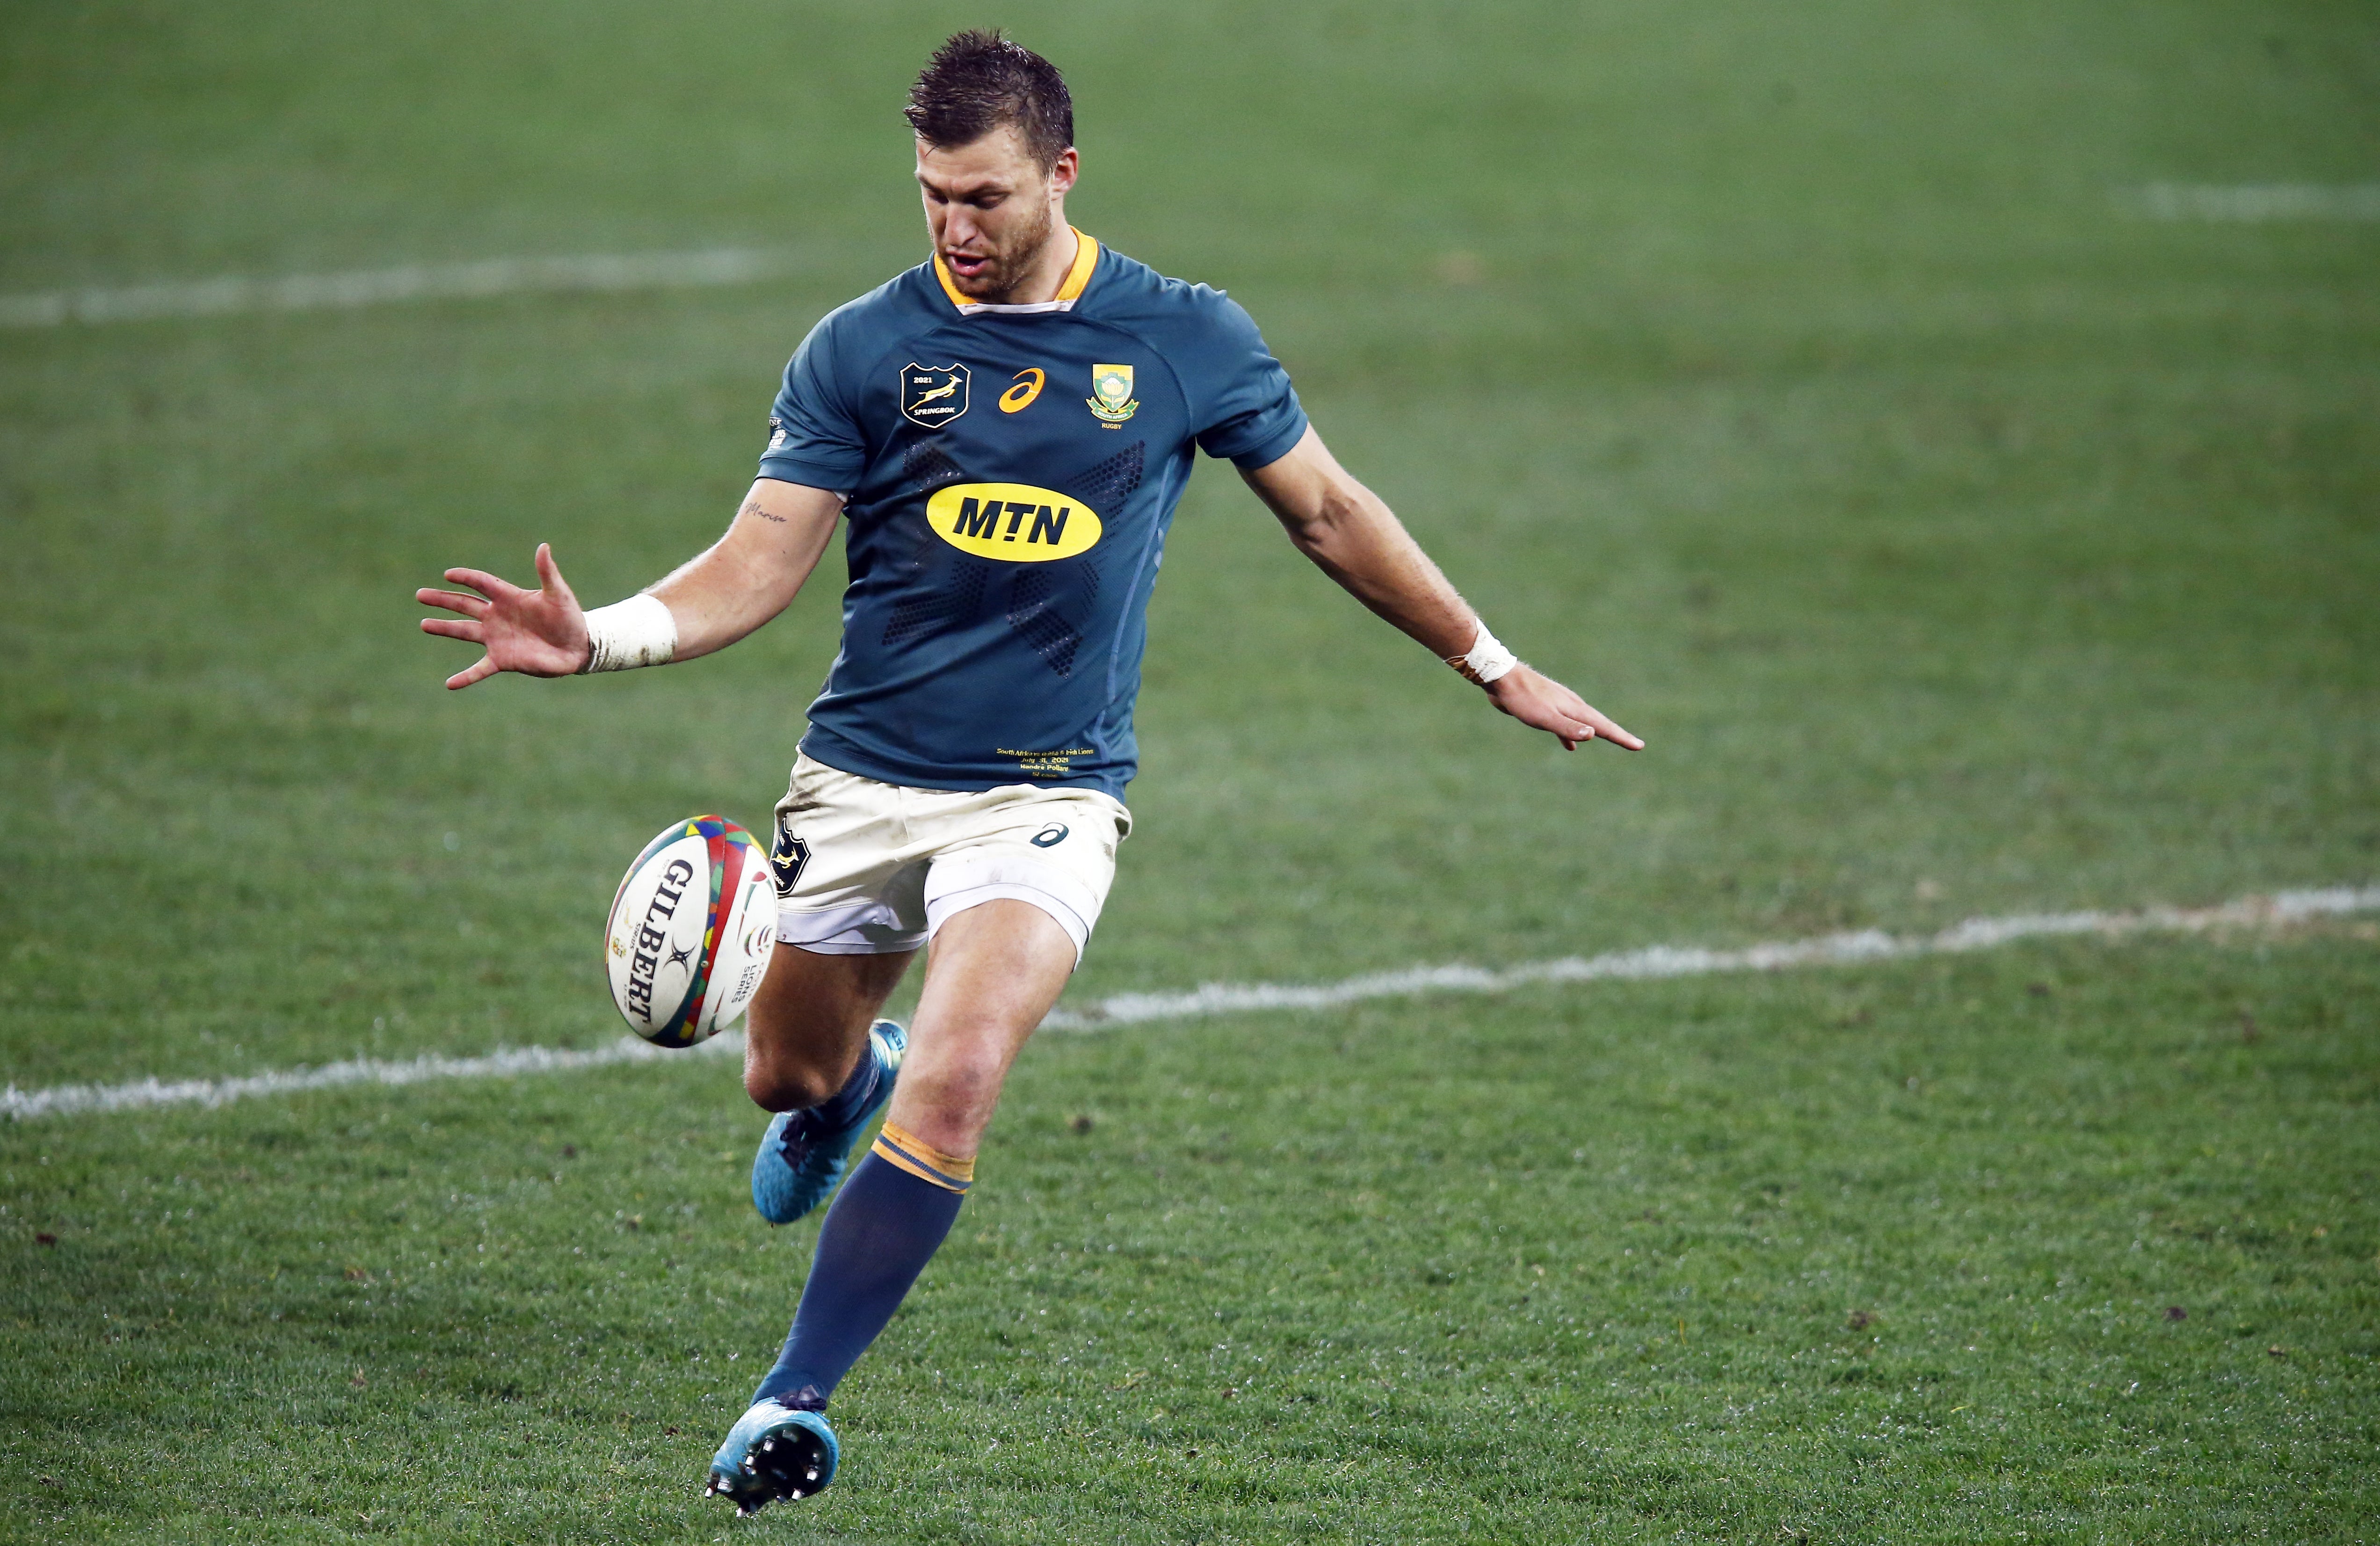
781	1085
962	1089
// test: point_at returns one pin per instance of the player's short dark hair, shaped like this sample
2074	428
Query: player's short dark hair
978	82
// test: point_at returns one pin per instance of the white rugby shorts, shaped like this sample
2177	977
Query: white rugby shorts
866	868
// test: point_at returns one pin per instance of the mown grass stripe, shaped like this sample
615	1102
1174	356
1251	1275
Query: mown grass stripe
1224	998
2247	203
2258	204
498	276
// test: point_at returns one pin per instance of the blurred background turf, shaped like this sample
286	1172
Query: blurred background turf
1797	382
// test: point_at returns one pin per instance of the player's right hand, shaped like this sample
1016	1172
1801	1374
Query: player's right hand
537	633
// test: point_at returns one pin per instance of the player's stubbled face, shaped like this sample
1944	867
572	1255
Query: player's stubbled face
989	207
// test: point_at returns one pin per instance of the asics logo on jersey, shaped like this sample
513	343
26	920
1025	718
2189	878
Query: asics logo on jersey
1018	398
1012	522
933	394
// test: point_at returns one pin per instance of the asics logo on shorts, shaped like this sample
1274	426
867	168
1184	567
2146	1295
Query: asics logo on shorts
1050	836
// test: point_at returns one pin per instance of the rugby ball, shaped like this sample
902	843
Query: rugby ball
691	931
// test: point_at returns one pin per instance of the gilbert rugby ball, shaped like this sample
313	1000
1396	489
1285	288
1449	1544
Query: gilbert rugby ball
691	932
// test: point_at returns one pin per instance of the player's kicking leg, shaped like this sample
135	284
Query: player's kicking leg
992	972
815	1055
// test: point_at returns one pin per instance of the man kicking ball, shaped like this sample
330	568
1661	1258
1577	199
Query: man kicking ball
1007	429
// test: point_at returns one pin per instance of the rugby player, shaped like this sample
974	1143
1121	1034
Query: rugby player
1004	433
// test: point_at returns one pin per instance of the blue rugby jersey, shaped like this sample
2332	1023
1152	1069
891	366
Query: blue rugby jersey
1010	472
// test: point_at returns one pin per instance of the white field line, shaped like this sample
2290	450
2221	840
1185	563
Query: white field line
1136	1008
314	292
2258	204
1676	961
2247	202
75	1099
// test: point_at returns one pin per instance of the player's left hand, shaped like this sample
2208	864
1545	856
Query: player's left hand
1541	702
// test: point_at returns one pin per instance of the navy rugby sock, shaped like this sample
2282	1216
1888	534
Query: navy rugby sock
885	1226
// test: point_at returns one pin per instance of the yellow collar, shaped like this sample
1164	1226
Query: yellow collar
1078	279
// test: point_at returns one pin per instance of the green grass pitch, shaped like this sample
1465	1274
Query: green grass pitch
1804	383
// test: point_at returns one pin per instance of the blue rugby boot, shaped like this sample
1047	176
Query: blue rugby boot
772	1451
804	1152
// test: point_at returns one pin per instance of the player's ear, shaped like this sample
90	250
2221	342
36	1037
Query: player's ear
1063	170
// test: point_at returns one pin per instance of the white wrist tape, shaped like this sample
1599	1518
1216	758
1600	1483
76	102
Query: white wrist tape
1487	660
626	634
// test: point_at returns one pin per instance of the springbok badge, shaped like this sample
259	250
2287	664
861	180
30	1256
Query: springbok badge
933	394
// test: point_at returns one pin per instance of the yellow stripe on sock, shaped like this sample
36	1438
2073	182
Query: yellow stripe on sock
898	1146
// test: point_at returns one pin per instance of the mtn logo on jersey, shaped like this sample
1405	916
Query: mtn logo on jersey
933	394
1012	522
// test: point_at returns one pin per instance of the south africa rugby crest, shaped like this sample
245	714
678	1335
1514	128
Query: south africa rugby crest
1111	400
933	394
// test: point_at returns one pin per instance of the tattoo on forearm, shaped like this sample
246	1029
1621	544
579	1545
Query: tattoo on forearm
752	507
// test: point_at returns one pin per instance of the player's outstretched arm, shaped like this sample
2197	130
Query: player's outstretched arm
740	582
1353	537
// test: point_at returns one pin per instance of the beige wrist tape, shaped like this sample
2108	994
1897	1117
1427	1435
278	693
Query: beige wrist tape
1487	660
626	634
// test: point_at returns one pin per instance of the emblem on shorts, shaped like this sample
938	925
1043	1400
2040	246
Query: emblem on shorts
787	855
1050	836
933	394
1111	400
